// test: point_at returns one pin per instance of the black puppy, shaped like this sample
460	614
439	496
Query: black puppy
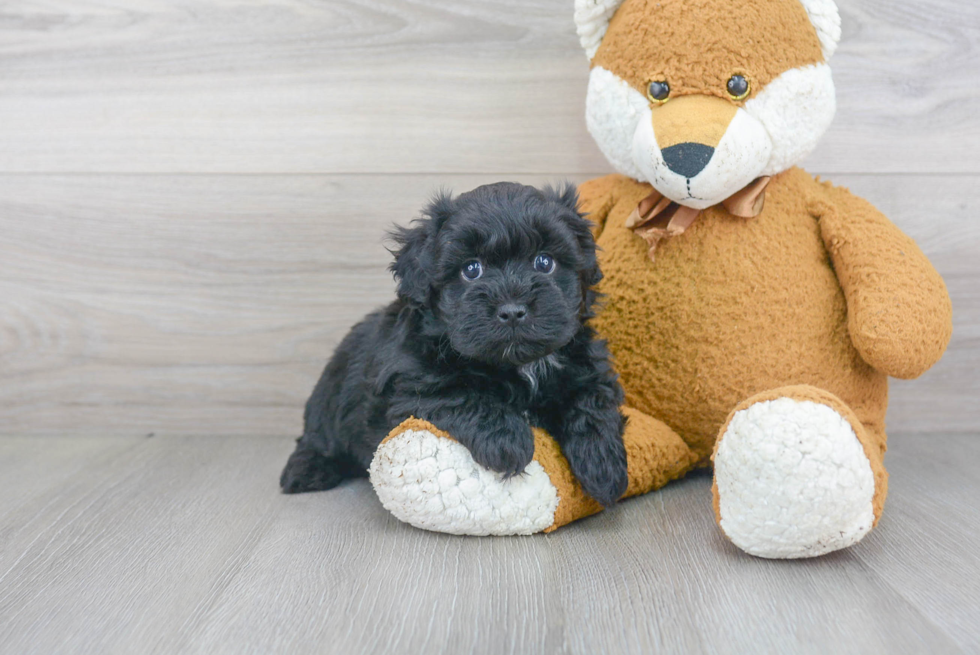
489	335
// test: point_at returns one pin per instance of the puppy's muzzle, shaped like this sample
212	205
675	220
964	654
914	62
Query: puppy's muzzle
512	314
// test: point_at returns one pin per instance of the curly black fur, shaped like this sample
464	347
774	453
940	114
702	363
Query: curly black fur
445	353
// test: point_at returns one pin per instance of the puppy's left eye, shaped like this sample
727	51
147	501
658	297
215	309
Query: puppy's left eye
544	264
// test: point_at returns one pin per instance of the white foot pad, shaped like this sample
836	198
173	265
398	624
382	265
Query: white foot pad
793	480
434	484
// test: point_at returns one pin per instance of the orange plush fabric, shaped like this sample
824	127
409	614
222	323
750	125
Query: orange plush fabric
819	291
899	310
723	313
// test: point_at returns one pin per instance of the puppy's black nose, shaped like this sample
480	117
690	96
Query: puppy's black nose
511	314
687	159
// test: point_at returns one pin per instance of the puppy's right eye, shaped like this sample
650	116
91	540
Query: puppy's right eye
472	270
544	264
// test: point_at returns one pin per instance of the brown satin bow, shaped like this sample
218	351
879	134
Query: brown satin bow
658	217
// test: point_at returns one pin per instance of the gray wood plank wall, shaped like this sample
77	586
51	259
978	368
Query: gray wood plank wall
193	194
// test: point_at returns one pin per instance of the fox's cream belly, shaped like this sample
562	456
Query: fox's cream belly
730	308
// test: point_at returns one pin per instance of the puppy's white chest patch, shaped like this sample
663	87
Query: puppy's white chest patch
538	370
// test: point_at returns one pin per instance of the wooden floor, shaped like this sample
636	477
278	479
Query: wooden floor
183	545
193	198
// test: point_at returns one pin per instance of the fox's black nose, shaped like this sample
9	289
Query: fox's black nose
511	314
687	159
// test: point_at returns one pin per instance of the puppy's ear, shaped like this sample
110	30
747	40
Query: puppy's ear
566	197
415	250
565	194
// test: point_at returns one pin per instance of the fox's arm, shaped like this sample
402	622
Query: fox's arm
899	311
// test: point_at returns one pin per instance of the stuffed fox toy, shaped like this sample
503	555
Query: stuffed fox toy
753	312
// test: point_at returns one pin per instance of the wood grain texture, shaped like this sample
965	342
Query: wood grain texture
208	304
403	86
183	545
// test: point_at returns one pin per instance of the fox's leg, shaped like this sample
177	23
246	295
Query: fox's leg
426	478
797	474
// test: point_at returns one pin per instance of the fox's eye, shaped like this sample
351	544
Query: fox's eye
472	270
658	92
738	87
544	264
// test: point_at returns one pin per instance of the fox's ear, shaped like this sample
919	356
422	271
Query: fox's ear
592	20
826	20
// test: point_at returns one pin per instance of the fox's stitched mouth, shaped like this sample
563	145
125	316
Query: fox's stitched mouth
691	196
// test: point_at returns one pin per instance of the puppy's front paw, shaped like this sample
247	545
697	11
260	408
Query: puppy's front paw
506	447
596	454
